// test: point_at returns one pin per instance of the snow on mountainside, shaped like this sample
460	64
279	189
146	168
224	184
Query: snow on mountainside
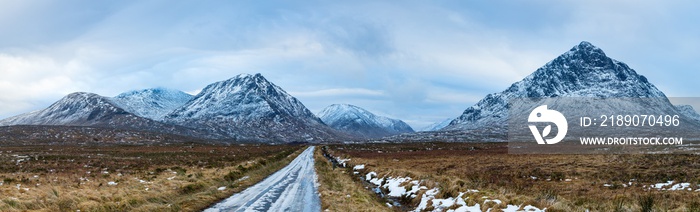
583	71
248	107
437	125
88	109
688	111
78	109
152	103
360	122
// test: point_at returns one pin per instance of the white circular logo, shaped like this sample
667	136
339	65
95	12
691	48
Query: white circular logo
542	114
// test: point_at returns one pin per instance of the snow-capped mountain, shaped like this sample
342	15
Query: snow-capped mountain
76	109
89	109
360	122
583	71
437	125
248	107
152	103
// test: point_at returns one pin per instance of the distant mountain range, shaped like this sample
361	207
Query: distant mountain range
250	108
360	122
243	108
88	109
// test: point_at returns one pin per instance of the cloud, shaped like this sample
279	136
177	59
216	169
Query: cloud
337	92
31	82
364	39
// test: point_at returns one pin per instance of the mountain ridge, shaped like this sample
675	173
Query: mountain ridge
250	107
82	109
360	122
152	103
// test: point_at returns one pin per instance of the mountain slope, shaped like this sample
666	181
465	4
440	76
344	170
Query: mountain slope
248	107
583	71
437	125
76	109
688	111
152	103
360	122
88	109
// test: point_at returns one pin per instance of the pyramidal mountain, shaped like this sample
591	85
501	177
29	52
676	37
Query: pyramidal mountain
361	123
583	71
249	107
152	103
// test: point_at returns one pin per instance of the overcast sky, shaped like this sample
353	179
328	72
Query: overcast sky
419	61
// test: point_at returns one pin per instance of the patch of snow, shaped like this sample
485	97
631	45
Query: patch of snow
342	161
661	185
394	186
670	186
533	208
370	175
679	186
359	167
511	208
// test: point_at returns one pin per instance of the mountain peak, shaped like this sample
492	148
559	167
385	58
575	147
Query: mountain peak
150	91
587	53
360	122
80	95
79	108
250	107
245	76
583	71
333	108
585	45
246	82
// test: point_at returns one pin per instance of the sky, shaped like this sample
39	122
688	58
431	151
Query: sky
419	61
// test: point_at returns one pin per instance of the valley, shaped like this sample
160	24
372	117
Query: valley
483	176
182	177
165	150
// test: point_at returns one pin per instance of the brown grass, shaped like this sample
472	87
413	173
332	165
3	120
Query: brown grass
148	178
456	167
340	191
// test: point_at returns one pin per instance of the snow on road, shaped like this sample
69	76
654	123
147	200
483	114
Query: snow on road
293	188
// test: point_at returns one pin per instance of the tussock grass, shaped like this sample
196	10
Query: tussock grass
340	191
563	182
143	178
